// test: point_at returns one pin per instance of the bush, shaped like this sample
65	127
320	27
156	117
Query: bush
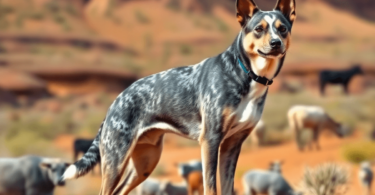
185	49
26	142
327	179
36	16
359	152
142	18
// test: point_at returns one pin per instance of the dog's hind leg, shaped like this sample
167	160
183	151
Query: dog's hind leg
113	170
143	161
228	156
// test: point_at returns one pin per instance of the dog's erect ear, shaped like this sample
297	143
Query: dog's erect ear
245	10
288	8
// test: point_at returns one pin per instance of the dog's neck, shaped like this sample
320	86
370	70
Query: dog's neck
264	67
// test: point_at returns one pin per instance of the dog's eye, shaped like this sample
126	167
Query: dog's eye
282	29
259	29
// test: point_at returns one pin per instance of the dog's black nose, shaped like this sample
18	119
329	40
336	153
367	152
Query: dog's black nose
275	43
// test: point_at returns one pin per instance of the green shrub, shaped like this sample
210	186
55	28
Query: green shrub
359	152
141	17
58	18
174	5
70	9
25	143
221	25
36	16
185	49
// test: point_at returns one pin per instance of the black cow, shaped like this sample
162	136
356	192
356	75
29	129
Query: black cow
81	146
342	77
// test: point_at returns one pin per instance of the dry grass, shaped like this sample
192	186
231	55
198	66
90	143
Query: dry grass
326	179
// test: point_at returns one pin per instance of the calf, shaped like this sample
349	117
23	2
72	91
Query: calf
342	77
266	182
149	187
195	183
30	175
365	175
168	188
275	166
81	146
185	168
314	118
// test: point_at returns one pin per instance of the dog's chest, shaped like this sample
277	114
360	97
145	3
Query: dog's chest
249	111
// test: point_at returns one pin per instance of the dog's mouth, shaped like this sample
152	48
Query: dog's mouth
271	54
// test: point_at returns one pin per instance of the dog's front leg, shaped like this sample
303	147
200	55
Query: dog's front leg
228	156
209	152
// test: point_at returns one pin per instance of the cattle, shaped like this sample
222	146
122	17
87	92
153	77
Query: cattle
195	183
275	166
342	77
185	168
365	176
314	118
81	145
169	188
30	175
266	182
150	186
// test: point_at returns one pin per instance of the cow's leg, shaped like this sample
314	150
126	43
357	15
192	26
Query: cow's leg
346	88
299	140
228	156
322	87
316	138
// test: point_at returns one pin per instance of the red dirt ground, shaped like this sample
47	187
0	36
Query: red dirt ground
250	158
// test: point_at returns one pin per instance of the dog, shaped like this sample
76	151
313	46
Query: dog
216	102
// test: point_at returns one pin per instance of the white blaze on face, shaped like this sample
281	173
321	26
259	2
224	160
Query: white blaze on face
271	20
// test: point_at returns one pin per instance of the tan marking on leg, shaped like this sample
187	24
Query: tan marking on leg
225	155
143	161
228	118
203	126
108	183
205	157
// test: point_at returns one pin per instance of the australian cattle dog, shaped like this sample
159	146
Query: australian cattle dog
216	102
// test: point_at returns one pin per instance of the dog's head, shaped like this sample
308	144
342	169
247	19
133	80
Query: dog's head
267	33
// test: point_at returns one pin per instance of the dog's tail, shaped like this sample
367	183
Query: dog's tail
87	162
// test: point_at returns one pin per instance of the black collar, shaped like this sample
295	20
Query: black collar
252	75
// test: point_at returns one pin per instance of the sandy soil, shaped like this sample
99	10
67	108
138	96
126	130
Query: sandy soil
250	158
